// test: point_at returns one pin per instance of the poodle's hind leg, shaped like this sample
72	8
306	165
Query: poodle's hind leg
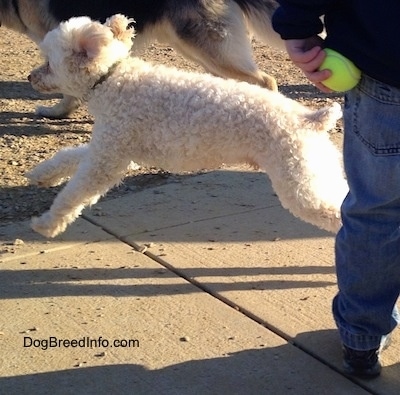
311	185
53	171
93	178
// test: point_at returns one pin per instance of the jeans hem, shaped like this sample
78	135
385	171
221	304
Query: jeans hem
361	342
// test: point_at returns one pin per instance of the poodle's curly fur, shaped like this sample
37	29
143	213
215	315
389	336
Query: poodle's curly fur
178	120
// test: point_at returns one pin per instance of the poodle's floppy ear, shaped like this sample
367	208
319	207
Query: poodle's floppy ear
90	39
119	25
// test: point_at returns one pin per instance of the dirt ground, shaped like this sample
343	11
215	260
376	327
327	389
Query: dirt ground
26	140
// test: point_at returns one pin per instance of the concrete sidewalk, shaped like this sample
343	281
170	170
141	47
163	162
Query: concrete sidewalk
202	286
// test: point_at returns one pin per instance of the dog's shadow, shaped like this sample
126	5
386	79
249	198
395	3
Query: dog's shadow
133	281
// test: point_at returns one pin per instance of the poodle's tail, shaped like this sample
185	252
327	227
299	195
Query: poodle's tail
325	119
259	14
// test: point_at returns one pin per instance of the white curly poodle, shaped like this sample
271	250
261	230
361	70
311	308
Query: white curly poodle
179	121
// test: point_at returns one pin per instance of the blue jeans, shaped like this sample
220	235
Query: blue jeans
368	245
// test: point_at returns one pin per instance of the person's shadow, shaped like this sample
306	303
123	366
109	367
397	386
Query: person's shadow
286	369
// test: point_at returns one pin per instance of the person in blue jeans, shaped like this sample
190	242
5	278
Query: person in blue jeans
367	248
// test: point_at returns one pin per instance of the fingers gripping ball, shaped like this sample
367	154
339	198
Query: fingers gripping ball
345	75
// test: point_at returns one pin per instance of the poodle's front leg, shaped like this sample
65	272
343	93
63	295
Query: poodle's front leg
92	180
52	172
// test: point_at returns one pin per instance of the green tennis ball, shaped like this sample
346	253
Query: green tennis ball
345	75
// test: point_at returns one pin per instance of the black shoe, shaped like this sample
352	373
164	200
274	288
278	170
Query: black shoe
364	364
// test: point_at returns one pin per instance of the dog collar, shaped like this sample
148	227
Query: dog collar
106	75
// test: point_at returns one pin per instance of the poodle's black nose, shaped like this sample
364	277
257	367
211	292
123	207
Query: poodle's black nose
29	78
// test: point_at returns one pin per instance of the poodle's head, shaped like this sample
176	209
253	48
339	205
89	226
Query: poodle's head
79	52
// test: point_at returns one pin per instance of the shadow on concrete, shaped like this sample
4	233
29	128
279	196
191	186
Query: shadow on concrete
277	370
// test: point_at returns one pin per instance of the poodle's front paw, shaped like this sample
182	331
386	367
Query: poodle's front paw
48	226
41	177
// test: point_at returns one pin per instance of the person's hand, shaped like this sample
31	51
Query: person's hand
308	55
